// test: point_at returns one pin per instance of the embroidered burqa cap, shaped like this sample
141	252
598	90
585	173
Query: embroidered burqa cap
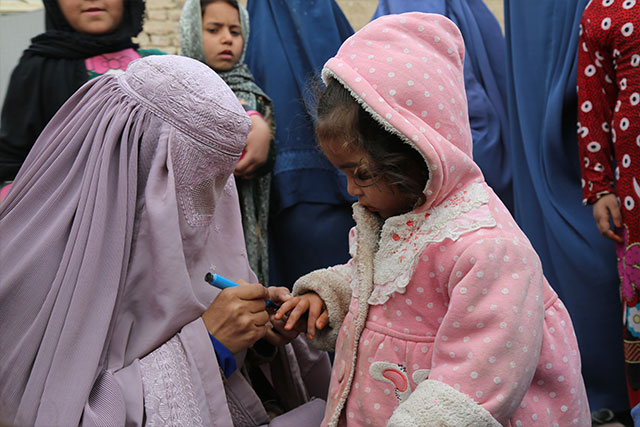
407	71
122	206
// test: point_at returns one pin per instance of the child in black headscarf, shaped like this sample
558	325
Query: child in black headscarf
83	39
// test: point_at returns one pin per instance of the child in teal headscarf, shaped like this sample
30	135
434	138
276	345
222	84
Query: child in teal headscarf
216	33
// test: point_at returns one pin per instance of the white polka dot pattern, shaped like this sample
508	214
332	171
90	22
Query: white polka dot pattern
476	314
413	84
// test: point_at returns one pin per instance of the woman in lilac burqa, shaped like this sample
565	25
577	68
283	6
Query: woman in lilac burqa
121	208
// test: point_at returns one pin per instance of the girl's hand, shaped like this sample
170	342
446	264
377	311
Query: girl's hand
237	317
605	206
278	335
310	304
257	149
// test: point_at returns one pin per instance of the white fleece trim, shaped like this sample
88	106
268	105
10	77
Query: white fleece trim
329	73
367	245
435	403
404	238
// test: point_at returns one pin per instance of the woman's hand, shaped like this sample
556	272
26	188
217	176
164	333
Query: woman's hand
309	304
257	149
237	317
606	206
279	335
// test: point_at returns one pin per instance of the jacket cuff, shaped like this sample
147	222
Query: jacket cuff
435	403
335	292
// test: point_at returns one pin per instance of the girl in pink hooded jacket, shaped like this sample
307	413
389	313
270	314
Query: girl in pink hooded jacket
442	317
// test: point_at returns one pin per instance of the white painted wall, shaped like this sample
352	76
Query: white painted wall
16	31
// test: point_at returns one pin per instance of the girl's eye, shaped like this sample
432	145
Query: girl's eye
236	33
212	30
363	177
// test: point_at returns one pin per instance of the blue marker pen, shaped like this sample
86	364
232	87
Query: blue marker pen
219	281
223	283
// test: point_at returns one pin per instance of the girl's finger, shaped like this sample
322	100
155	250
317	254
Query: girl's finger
315	311
311	325
241	166
616	216
613	236
323	320
295	315
285	307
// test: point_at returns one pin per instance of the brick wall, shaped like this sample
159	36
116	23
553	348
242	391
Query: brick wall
161	29
161	26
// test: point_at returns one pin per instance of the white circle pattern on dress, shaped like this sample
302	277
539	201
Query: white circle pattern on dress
624	95
629	203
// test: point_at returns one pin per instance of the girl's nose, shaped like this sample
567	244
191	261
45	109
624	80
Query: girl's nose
354	189
226	36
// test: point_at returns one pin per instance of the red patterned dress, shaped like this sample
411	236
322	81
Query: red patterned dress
609	142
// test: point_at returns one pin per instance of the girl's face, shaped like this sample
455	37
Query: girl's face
221	35
92	16
372	193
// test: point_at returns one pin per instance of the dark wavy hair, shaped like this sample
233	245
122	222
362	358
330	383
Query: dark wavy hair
341	120
204	3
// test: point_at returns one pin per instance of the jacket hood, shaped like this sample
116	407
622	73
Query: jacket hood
407	71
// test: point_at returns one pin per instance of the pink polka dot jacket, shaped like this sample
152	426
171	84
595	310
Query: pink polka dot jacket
442	316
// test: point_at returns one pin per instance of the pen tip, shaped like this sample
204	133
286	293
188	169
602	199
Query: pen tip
208	277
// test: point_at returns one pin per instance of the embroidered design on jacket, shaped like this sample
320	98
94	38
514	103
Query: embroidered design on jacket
404	238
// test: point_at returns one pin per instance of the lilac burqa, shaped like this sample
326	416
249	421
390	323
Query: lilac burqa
124	203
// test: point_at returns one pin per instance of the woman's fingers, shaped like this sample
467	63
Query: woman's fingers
279	294
278	335
237	316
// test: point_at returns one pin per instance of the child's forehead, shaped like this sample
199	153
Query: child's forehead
220	9
342	146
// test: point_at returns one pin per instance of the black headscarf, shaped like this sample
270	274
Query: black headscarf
48	73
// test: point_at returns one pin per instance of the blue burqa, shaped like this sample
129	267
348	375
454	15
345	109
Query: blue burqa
311	210
542	43
485	82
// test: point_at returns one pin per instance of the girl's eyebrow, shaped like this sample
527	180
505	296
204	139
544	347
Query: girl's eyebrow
220	24
348	165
